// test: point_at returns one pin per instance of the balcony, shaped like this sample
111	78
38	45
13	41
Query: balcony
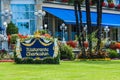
65	2
107	6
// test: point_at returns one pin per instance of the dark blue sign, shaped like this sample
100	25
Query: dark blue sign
37	47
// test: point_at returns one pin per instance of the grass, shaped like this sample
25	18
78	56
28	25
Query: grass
66	70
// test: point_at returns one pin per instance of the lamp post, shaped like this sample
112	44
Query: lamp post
6	14
63	27
45	27
5	25
106	29
5	38
40	14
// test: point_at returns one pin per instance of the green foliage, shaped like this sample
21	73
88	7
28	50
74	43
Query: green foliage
94	39
41	32
11	29
72	1
28	60
48	60
110	1
66	52
3	53
13	38
113	53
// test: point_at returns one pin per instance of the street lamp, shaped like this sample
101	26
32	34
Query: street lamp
40	14
106	29
5	38
63	27
5	25
6	14
45	26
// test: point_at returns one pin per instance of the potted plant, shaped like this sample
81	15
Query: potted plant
118	6
111	4
103	4
13	40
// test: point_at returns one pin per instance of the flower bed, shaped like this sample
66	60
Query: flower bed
7	60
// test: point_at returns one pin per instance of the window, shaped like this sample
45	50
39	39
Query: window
23	12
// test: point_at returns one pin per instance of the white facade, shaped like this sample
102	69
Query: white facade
22	16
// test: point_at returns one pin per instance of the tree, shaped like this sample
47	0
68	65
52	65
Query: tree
11	29
87	3
99	20
78	13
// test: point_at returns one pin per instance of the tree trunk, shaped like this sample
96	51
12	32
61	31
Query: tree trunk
81	39
99	20
88	18
81	30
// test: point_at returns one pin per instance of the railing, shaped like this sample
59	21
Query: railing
58	2
106	5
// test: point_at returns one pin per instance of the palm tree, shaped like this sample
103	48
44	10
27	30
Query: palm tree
99	20
78	13
88	16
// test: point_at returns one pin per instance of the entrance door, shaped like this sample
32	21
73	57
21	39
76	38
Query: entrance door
23	26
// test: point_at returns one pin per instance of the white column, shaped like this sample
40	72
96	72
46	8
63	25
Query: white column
39	20
118	34
53	26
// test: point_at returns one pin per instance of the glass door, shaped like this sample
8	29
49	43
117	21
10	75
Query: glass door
23	27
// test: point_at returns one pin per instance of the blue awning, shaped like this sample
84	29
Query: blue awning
68	16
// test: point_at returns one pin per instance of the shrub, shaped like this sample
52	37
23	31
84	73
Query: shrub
11	29
28	60
113	53
13	38
66	52
3	53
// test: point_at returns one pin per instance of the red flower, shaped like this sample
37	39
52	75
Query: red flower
118	6
113	46
47	35
91	3
72	44
85	44
103	4
65	1
117	45
22	36
111	5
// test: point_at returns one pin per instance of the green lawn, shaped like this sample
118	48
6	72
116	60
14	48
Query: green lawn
66	70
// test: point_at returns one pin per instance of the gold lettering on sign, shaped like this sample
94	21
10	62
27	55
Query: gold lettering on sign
37	52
